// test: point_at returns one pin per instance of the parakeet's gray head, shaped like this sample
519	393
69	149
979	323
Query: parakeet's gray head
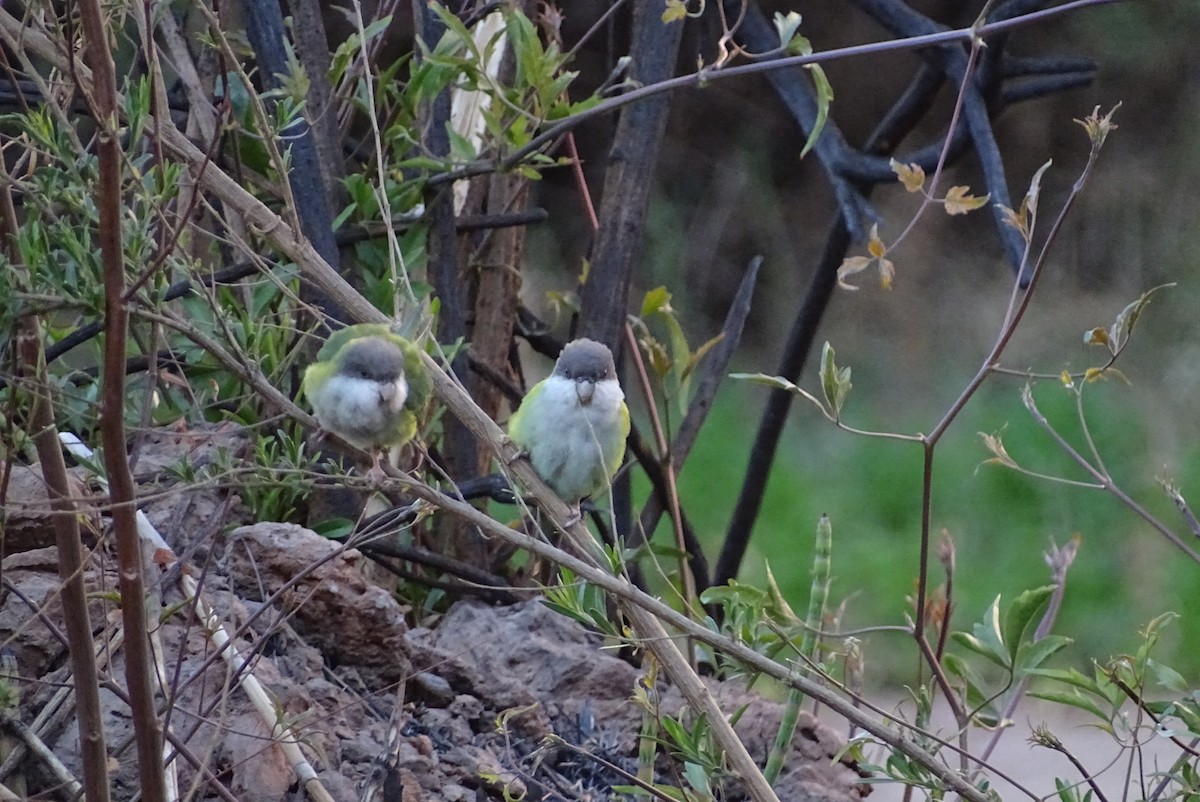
585	362
372	358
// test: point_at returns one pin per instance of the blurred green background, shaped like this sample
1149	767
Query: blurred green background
731	185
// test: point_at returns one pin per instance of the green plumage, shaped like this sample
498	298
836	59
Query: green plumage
420	387
368	355
573	424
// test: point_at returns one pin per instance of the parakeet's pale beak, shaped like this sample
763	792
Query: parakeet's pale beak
393	394
585	389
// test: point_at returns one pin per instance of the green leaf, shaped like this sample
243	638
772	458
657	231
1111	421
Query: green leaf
777	599
966	672
1098	686
697	777
1122	328
676	732
1168	677
987	639
727	594
1075	700
1066	792
835	381
461	148
778	382
824	99
700	353
1188	714
1020	616
655	301
973	644
528	50
1032	655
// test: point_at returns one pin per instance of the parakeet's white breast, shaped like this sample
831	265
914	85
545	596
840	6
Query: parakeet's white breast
362	411
575	447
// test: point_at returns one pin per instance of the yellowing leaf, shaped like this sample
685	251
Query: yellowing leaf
1092	374
1116	372
1066	380
1030	203
959	202
875	246
660	361
695	358
912	176
849	267
994	444
1016	220
1098	127
1096	336
887	271
675	11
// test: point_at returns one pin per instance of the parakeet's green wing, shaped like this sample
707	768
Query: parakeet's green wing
624	413
342	337
314	375
420	385
516	423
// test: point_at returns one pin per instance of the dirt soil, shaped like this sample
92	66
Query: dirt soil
458	709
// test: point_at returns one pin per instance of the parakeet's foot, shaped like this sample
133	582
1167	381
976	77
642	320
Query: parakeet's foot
376	474
575	517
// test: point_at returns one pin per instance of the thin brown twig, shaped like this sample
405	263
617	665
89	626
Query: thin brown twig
668	469
1019	302
1048	740
138	669
930	443
1105	481
632	779
94	755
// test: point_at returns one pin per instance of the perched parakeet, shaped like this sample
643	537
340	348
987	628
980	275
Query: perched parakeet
573	424
366	387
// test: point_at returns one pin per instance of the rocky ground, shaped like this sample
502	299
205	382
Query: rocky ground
459	707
